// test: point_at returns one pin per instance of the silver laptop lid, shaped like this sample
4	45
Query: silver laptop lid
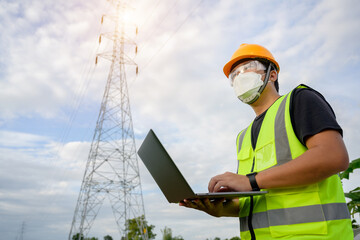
163	169
169	178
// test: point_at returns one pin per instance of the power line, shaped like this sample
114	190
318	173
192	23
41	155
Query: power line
151	13
87	74
168	11
171	36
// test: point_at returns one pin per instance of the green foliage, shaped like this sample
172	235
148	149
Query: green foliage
134	233
108	237
178	238
355	164
354	204
167	235
354	224
354	195
78	237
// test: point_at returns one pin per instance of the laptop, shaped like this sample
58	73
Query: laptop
169	178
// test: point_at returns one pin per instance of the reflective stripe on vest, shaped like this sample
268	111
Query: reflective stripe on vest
305	214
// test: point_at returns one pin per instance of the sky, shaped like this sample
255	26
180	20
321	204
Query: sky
51	91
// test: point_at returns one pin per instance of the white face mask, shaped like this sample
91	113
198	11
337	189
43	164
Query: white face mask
247	85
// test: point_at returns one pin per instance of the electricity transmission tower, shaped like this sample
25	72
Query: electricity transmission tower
22	231
112	170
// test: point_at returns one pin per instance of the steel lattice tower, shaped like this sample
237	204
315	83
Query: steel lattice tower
112	168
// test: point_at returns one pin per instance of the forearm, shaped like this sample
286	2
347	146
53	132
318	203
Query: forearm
292	174
317	163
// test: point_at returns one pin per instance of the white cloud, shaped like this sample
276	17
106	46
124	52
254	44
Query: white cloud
19	139
45	48
38	185
180	92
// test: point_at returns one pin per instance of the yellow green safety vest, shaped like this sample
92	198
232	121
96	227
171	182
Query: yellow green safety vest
316	211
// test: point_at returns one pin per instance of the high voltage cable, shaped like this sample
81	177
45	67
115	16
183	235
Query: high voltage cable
167	40
161	21
87	75
68	128
83	86
171	36
151	13
59	147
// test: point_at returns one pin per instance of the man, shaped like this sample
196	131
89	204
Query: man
293	149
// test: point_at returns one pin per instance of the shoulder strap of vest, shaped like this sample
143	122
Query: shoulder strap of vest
282	145
279	126
296	147
302	86
240	138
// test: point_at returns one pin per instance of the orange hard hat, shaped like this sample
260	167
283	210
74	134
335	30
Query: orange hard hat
246	51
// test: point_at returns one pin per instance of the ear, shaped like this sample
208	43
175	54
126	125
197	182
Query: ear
273	76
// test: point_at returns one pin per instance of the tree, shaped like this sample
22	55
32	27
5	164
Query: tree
354	195
233	238
178	238
78	237
134	233
167	235
81	237
108	237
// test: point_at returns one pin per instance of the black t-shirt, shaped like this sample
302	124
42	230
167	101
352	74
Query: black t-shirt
310	114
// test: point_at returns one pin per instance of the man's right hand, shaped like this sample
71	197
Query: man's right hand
214	207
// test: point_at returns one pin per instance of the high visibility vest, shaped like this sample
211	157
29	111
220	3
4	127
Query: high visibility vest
315	211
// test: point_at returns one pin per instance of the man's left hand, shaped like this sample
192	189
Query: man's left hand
231	182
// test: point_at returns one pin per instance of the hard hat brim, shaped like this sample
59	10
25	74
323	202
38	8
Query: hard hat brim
227	67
